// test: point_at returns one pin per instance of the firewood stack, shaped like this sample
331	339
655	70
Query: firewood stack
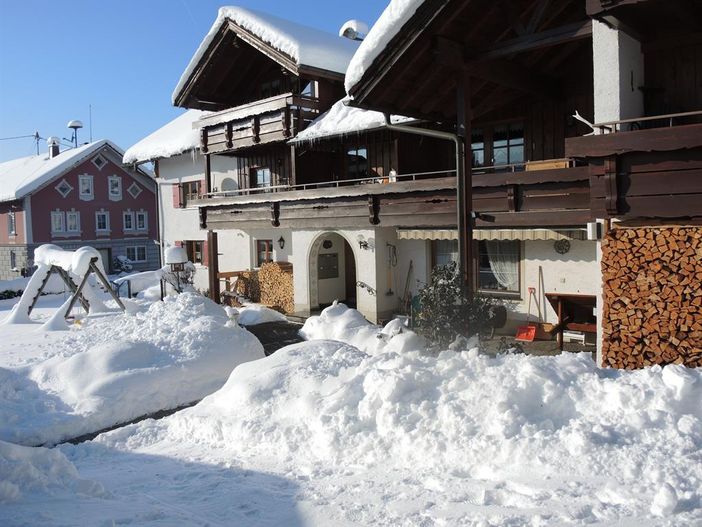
247	285
276	283
652	296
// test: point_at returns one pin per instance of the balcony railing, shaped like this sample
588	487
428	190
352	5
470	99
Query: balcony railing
655	121
269	120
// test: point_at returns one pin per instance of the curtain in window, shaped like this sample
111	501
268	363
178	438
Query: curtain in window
504	263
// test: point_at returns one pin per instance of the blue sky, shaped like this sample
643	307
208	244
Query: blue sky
122	57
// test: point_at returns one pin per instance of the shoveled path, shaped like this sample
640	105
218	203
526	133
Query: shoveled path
276	335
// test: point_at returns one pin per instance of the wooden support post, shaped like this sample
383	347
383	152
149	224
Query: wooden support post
76	295
208	174
465	182
560	323
71	285
94	268
213	266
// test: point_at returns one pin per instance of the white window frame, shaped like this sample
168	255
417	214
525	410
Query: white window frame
136	248
107	221
128	214
114	196
138	190
73	214
145	216
11	223
86	196
61	183
13	261
61	217
95	162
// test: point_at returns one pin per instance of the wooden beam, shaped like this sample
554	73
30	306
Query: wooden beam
213	266
513	15
514	75
551	37
537	16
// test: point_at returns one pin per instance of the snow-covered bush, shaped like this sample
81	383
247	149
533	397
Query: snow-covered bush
446	312
122	264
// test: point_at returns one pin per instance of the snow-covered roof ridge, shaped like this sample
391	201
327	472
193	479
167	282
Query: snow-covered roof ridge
341	119
305	45
388	25
22	176
176	137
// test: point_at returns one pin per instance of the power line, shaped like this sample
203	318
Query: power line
18	137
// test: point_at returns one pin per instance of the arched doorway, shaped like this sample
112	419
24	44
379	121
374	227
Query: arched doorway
332	271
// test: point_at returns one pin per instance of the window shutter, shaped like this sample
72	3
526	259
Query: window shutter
177	196
205	254
178	244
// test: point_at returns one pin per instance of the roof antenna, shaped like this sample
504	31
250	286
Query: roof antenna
75	126
90	121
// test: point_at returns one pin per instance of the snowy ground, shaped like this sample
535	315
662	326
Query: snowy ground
377	433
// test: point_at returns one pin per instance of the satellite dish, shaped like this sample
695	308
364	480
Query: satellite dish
354	30
75	124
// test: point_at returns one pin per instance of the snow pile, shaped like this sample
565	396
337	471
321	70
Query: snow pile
303	44
253	314
75	262
341	119
174	138
115	369
396	14
25	471
615	441
338	322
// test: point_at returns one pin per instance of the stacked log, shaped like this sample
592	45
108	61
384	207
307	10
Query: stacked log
276	285
652	312
247	285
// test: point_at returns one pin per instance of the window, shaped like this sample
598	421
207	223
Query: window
498	145
11	223
58	222
357	163
64	188
264	252
191	190
128	221
444	252
13	260
99	161
102	221
137	254
271	88
114	185
309	89
134	190
85	187
73	221
498	266
261	177
194	250
142	222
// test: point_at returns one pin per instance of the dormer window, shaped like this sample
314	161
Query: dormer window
64	188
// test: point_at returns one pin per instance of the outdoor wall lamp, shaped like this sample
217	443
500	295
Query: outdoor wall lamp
363	244
281	242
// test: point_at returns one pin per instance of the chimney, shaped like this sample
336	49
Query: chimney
53	143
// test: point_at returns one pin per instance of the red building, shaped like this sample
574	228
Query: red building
82	196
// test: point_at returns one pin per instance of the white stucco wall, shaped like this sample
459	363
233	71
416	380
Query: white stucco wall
618	66
330	289
178	224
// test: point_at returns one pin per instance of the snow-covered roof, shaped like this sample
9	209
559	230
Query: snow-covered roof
174	138
305	45
341	119
20	177
396	14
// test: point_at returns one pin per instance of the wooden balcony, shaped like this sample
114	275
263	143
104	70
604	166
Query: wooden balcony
266	121
653	172
508	198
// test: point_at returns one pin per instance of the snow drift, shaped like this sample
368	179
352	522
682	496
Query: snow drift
30	472
115	369
631	440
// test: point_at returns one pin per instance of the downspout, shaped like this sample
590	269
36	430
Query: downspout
460	183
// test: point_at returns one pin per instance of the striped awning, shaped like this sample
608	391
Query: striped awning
494	234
